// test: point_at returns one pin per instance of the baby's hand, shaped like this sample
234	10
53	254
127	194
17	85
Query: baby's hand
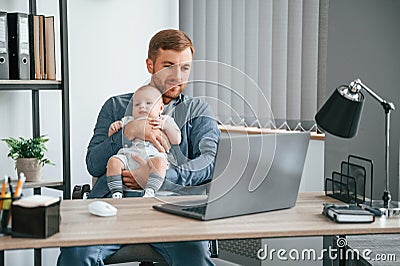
114	128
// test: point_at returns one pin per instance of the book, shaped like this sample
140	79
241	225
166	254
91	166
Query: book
348	213
50	58
41	47
34	48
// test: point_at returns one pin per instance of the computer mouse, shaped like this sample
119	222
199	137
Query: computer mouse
102	208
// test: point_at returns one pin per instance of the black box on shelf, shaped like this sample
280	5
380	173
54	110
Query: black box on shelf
36	217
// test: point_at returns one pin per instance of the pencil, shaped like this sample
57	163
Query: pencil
20	184
10	186
5	219
3	191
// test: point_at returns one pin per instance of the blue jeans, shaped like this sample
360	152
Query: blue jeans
195	253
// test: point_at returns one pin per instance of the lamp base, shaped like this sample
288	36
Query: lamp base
392	210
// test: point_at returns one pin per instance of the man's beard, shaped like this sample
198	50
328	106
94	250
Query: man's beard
167	91
173	92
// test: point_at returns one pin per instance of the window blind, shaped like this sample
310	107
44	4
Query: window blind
258	62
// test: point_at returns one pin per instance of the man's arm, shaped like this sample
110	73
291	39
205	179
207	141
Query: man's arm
204	141
143	129
101	147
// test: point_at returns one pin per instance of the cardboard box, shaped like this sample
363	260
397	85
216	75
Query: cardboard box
36	216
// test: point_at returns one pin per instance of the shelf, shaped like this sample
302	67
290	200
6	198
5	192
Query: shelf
6	85
43	182
255	130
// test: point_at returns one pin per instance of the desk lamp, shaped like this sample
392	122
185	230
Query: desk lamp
340	115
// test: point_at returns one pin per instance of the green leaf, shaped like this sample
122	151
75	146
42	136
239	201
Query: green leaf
28	148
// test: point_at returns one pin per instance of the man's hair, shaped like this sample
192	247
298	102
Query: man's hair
169	40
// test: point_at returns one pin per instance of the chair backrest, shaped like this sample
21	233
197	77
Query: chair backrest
143	253
94	180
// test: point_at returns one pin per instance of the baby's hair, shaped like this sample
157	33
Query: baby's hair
148	87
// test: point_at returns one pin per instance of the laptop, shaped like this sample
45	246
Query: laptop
252	174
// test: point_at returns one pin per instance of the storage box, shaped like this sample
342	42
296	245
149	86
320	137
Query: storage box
36	217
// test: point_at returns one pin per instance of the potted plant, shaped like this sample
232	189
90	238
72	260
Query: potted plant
28	155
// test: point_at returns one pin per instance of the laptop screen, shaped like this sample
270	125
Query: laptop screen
255	173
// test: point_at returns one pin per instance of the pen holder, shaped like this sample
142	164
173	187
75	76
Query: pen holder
5	214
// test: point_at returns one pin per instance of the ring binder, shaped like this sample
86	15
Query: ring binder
18	46
4	69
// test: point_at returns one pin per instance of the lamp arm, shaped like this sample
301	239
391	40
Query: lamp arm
357	84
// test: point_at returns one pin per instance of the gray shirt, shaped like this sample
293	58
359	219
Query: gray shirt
194	156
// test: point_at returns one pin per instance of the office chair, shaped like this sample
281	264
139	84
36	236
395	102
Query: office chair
143	253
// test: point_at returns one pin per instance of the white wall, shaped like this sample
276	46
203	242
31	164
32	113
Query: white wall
107	51
313	172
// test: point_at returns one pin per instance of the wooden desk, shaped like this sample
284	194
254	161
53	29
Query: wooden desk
138	222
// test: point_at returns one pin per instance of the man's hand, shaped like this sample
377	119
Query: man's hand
142	129
137	178
157	123
160	124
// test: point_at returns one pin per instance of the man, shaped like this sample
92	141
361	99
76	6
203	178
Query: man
169	61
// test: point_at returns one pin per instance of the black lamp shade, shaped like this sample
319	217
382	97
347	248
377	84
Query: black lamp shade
340	116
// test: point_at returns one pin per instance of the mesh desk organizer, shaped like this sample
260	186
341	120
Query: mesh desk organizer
353	184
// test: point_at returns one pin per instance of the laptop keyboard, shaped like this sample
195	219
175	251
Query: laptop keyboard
198	209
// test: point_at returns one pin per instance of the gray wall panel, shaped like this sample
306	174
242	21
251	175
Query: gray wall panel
363	40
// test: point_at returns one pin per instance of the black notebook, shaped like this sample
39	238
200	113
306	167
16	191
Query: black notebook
348	213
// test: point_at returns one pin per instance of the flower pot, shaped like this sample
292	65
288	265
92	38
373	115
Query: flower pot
30	167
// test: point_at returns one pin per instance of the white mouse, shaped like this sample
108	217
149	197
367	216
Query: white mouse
102	208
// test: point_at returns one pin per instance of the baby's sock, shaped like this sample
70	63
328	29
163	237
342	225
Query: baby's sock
117	195
149	193
155	182
115	185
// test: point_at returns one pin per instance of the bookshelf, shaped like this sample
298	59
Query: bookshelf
35	86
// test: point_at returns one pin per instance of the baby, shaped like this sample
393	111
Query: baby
147	104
